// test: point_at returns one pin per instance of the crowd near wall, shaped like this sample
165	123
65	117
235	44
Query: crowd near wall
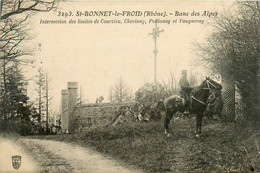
80	117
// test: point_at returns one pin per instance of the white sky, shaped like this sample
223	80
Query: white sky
96	55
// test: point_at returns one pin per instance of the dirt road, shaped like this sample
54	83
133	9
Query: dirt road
54	156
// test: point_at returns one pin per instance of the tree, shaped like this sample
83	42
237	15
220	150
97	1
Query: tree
110	95
15	99
43	98
120	92
15	109
14	7
40	90
149	94
171	86
13	31
233	50
82	99
147	98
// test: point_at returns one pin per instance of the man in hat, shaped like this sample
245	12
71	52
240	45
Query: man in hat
185	90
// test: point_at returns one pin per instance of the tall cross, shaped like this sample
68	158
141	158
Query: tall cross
155	34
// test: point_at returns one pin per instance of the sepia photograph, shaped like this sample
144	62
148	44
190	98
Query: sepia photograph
129	86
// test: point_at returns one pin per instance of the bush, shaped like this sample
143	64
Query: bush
233	51
148	94
20	126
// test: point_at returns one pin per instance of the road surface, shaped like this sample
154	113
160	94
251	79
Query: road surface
8	148
53	156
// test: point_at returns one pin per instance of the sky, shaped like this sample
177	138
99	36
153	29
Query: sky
97	55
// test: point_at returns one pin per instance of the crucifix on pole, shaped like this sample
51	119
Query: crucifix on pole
155	34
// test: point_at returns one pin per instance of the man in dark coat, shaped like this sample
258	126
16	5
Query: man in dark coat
185	90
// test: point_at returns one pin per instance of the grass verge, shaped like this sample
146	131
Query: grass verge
221	148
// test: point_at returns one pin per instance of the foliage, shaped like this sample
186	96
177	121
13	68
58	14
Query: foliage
15	112
19	125
150	94
14	102
99	99
41	91
145	146
233	50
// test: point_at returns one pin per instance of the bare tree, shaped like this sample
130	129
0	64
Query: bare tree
14	7
13	31
110	95
171	85
121	92
12	34
40	82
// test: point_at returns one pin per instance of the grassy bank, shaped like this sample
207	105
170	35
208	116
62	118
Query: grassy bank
221	148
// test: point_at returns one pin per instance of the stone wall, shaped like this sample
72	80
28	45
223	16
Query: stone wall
77	118
88	116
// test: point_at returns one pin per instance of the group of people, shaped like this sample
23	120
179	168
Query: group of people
146	113
136	112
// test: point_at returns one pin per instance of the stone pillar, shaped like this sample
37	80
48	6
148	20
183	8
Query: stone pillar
72	101
64	111
64	99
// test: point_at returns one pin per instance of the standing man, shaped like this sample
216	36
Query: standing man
185	90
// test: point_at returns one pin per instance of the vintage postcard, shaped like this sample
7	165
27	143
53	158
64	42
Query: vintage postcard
129	86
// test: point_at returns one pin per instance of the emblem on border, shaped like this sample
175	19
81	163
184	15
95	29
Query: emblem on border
16	161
